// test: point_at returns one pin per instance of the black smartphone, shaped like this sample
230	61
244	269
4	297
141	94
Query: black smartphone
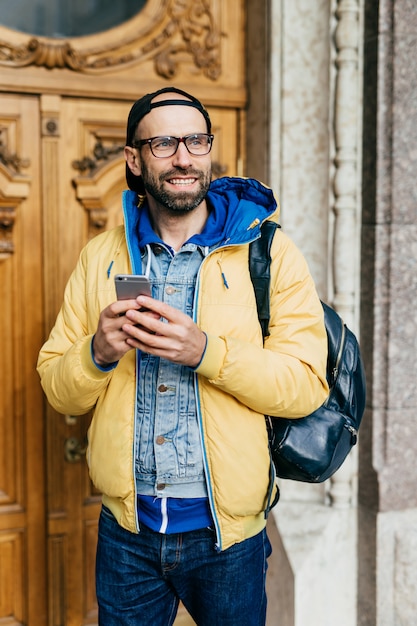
130	286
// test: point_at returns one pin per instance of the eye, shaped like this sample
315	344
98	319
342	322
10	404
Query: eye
163	143
197	140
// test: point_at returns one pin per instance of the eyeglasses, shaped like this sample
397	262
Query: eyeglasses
198	145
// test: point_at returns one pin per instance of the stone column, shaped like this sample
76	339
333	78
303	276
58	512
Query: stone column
315	152
387	464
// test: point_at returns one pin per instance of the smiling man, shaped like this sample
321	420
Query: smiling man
184	186
175	172
179	382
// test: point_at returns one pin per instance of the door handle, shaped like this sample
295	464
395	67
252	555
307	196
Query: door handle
74	449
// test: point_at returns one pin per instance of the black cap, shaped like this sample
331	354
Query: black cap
142	107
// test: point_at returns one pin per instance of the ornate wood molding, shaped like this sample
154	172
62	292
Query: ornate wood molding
11	161
185	29
101	154
99	173
14	188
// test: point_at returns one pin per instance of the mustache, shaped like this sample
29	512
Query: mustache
180	171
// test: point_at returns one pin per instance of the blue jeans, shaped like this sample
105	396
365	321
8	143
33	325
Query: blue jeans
141	578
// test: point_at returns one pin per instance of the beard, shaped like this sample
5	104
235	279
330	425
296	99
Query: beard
176	202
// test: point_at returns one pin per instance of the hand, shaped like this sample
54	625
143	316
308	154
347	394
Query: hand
164	331
110	339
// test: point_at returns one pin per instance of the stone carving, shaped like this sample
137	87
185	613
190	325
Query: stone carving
345	182
186	28
345	186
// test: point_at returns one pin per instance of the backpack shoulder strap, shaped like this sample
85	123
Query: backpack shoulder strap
259	269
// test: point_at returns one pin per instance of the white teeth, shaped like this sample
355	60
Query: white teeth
182	181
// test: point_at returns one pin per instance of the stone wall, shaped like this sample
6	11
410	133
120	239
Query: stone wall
346	553
387	464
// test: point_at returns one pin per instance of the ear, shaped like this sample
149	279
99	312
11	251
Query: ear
132	160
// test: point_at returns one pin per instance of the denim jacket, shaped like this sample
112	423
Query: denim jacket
166	404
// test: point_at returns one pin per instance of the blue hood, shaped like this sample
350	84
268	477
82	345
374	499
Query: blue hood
237	208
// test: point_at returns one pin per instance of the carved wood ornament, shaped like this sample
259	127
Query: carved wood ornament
99	173
14	189
180	29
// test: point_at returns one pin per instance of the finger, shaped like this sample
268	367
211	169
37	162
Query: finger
170	348
118	308
149	322
142	339
162	308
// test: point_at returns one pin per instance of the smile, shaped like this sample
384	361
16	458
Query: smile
182	181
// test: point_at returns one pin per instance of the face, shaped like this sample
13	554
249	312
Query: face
178	183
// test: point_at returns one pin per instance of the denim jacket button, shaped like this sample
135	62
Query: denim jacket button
160	440
162	388
160	486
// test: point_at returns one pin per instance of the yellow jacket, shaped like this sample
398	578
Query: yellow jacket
238	380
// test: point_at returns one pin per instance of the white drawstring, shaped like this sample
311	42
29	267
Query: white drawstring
148	262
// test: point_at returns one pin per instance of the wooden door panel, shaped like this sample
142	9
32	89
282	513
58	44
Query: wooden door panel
227	157
72	129
22	454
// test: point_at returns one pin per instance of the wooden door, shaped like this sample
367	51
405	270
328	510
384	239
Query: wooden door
74	128
22	442
61	176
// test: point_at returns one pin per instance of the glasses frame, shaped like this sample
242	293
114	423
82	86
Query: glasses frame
143	142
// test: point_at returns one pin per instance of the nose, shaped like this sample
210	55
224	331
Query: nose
182	157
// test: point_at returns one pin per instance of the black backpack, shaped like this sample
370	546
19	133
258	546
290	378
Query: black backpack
312	448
